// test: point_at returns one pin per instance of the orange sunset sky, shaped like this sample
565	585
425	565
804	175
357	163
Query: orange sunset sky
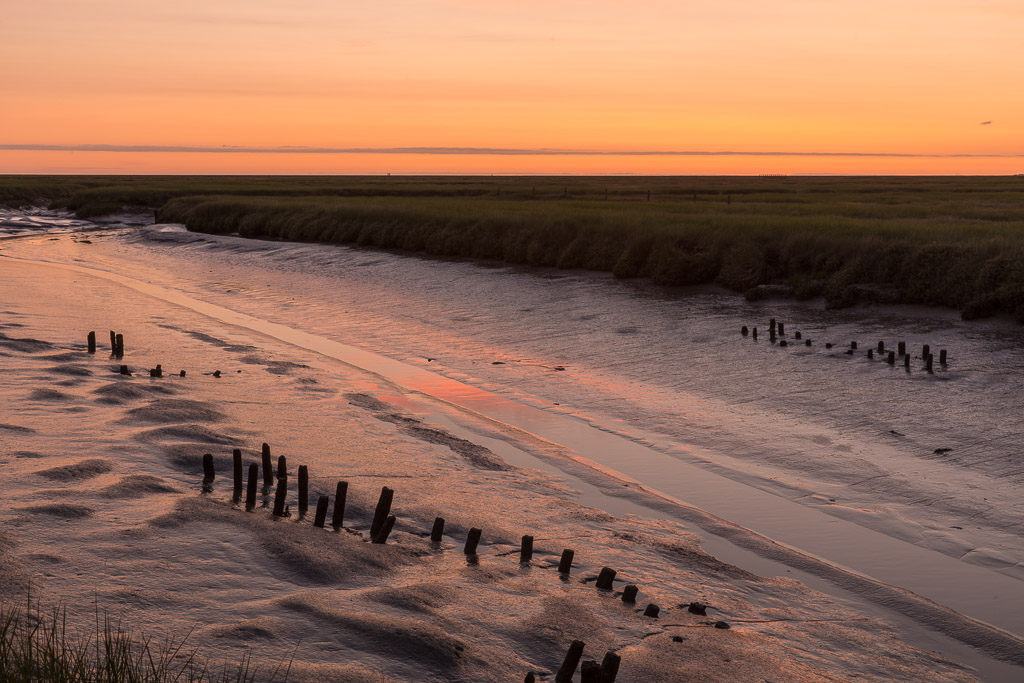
219	86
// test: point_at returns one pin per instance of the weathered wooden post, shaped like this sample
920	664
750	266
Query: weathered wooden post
382	511
606	578
928	364
754	334
208	472
871	354
181	374
798	336
925	351
782	329
906	362
610	667
437	532
113	343
385	530
530	678
571	661
303	490
279	496
783	343
120	346
590	672
881	347
526	549
565	564
901	348
629	593
892	358
942	356
472	540
124	370
340	496
236	462
268	468
853	346
652	611
282	467
320	516
92	342
744	331
250	491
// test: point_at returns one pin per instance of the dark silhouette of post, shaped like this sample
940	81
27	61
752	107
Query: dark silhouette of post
250	492
92	342
303	490
340	496
268	468
380	515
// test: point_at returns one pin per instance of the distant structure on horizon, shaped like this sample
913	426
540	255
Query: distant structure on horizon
773	175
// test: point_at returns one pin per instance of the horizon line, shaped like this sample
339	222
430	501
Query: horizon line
481	151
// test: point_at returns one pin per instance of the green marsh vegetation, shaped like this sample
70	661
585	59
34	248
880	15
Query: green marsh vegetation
942	241
40	646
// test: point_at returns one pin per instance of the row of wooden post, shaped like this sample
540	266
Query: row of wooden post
382	525
777	329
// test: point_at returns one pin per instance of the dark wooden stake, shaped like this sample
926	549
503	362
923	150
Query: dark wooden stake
268	468
906	362
236	462
382	511
571	661
340	496
530	678
853	346
120	346
472	540
438	531
782	329
652	611
125	370
881	347
113	343
744	331
382	536
942	356
321	512
892	358
610	667
605	578
928	363
279	496
208	473
807	343
925	350
565	564
92	342
250	491
282	467
798	336
303	489
181	374
590	672
901	348
526	549
871	354
754	334
629	593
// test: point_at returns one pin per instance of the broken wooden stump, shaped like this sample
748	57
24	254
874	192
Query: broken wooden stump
119	350
571	661
91	341
565	564
437	532
652	611
282	467
303	490
250	492
590	672
629	593
901	348
268	468
942	356
606	578
891	360
382	511
610	667
340	497
208	471
279	496
472	540
526	549
124	370
321	512
385	530
744	331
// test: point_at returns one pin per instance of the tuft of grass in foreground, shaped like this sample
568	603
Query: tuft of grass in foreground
37	646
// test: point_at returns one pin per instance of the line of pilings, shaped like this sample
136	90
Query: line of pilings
247	481
777	334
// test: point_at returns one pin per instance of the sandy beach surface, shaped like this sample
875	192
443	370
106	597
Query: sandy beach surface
105	509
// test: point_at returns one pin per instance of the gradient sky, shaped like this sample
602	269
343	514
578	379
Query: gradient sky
906	77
